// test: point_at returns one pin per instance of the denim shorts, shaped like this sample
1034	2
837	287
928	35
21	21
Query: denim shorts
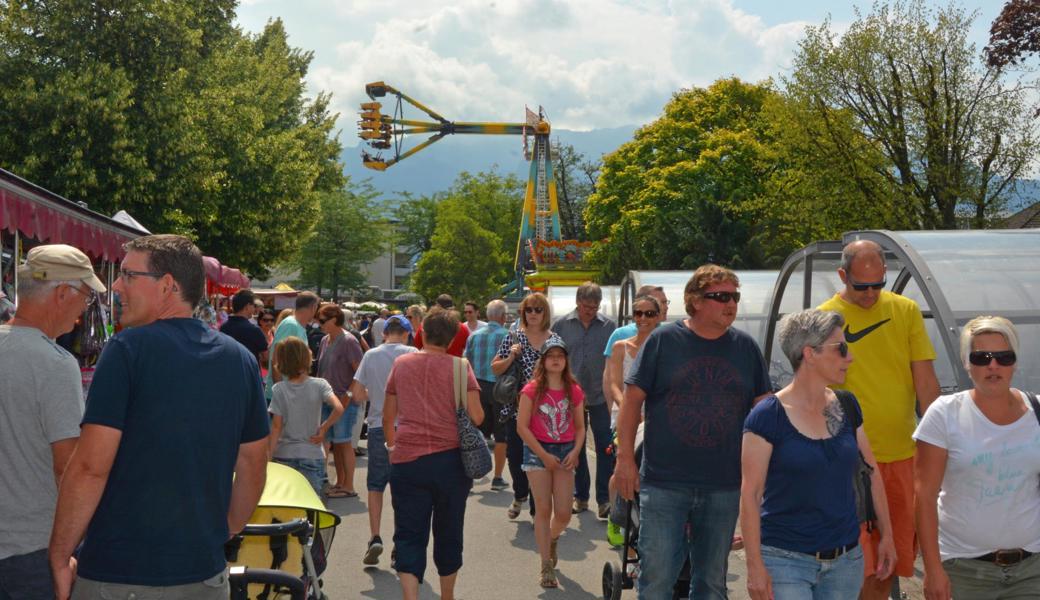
378	461
311	468
797	576
533	463
342	431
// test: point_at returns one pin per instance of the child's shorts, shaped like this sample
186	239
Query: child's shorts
533	463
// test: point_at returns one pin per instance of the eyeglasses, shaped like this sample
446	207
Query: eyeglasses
534	309
126	275
723	297
843	348
979	358
862	287
267	320
650	314
323	321
91	298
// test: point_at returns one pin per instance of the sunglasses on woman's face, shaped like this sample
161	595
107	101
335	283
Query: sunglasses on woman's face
267	320
843	348
534	309
649	314
980	358
323	321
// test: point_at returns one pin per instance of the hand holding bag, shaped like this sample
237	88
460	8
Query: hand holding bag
507	385
476	457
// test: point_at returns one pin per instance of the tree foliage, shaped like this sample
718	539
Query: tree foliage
1014	34
168	111
575	181
954	135
348	234
416	217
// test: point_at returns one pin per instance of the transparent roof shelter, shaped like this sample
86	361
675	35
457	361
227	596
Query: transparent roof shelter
954	276
562	300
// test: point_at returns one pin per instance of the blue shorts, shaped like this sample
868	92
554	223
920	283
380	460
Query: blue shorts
533	463
378	461
343	429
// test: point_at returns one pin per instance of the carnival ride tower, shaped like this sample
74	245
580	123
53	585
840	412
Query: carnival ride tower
542	257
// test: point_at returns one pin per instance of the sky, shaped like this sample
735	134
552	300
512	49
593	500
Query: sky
591	63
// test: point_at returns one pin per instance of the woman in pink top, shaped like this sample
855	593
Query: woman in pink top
426	476
549	420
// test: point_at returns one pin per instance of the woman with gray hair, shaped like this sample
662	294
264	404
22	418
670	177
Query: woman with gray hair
980	535
801	449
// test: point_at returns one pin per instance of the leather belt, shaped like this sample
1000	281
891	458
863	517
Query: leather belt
833	553
1005	558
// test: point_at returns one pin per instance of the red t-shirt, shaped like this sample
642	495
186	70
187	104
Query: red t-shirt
457	346
425	394
552	416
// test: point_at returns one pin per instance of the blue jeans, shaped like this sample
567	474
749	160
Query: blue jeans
26	577
798	576
664	543
311	468
378	461
597	418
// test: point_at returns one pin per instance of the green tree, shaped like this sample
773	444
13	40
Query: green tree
167	110
954	134
346	236
417	218
575	182
464	259
495	202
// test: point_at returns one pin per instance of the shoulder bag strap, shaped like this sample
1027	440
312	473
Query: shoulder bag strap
845	401
459	380
1036	405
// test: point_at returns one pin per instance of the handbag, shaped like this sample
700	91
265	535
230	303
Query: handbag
507	385
476	457
861	476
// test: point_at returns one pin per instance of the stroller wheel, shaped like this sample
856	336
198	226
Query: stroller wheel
611	581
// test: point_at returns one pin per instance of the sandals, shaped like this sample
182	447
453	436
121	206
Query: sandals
548	578
514	509
338	492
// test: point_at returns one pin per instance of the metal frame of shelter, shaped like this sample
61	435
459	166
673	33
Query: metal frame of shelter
912	268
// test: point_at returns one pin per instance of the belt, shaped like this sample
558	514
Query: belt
833	553
1005	558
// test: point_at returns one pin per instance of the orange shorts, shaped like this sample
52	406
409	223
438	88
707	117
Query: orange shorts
898	478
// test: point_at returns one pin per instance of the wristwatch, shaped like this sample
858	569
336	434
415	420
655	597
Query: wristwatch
388	447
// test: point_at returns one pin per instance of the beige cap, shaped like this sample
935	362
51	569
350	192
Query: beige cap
59	262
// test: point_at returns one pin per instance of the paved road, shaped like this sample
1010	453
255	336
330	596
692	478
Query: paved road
500	559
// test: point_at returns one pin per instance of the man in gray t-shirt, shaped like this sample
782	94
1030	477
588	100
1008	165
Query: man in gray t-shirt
41	404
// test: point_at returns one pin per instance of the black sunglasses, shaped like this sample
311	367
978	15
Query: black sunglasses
862	287
980	358
534	309
650	314
723	297
843	348
323	321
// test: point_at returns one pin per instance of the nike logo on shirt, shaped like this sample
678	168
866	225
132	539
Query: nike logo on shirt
853	337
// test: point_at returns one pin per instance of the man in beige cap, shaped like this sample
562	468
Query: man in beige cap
41	403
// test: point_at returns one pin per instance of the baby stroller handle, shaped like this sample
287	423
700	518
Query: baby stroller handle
296	526
241	577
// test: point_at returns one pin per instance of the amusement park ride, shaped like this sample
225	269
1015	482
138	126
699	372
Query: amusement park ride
542	257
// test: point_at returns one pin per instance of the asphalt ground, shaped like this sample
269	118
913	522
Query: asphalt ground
500	560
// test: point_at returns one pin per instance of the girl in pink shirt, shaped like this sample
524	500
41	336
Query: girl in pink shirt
549	421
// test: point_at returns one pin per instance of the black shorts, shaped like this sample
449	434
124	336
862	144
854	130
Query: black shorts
492	425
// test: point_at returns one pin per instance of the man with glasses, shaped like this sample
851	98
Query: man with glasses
173	444
892	375
698	379
585	330
41	403
240	327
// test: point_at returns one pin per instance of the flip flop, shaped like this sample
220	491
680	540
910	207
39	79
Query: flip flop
338	492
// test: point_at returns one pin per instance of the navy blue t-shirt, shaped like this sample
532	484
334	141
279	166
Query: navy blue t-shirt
808	504
698	392
184	397
245	333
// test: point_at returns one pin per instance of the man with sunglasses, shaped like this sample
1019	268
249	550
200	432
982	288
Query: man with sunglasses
893	375
41	403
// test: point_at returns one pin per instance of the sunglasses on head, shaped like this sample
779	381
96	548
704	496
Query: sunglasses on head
981	358
843	347
534	309
650	314
862	287
723	297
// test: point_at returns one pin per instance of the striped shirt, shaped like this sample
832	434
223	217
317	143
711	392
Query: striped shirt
481	348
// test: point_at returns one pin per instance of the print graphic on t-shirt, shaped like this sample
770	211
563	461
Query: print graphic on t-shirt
706	402
555	416
855	336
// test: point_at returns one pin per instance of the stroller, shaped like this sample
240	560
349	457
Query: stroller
283	551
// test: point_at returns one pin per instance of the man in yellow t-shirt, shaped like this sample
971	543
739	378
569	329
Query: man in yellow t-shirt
892	374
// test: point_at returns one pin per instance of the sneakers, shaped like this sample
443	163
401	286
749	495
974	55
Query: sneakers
604	510
498	484
553	557
548	578
375	548
580	506
615	535
514	509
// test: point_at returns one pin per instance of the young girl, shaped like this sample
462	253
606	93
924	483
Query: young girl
550	420
297	431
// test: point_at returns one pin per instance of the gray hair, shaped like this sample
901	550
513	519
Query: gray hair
808	328
589	292
987	324
496	310
852	250
29	288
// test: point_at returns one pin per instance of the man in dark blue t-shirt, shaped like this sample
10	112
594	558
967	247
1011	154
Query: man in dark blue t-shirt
174	411
239	326
698	379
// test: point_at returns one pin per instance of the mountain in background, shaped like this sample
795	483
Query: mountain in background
435	168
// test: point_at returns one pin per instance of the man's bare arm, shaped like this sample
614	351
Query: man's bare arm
926	384
250	477
61	452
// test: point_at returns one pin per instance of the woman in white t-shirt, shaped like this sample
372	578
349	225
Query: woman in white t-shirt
978	477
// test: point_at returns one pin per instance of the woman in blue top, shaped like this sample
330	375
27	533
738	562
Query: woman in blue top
800	451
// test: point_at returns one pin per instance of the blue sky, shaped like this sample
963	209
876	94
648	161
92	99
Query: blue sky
590	63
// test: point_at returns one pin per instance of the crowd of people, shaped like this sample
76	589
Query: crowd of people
180	420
